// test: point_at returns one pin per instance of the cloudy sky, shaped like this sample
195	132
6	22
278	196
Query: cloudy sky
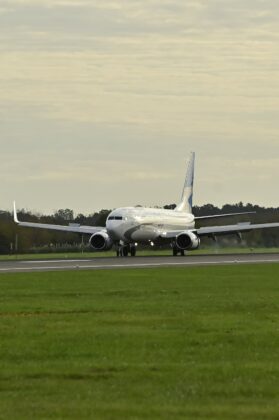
102	101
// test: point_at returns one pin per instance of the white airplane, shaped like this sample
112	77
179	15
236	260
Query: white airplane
127	227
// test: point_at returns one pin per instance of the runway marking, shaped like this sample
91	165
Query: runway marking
176	264
143	265
57	261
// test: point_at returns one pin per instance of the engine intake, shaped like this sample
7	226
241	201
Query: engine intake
100	241
187	241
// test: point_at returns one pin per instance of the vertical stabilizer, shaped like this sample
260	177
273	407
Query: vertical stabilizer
187	196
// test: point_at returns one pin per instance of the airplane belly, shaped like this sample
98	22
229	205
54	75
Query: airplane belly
144	236
141	234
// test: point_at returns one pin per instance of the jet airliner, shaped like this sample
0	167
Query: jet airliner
127	227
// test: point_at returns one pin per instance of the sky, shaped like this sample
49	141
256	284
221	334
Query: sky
101	102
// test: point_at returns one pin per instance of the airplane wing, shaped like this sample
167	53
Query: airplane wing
230	229
74	228
221	230
215	216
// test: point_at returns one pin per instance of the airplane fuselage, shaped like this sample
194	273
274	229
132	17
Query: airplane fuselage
144	225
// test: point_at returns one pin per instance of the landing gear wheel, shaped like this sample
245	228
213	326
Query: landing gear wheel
174	251
182	253
119	250
133	251
125	251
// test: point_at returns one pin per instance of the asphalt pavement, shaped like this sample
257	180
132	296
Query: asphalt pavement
109	263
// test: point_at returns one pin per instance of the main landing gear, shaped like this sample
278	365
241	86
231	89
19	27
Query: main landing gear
126	250
176	251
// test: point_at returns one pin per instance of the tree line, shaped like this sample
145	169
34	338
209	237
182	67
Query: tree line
14	239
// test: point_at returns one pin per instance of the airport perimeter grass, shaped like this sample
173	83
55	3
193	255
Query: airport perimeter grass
183	343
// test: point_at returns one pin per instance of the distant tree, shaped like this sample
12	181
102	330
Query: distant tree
102	217
206	209
170	206
4	244
64	214
81	219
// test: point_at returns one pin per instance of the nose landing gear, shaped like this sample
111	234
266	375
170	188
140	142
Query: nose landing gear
124	250
133	250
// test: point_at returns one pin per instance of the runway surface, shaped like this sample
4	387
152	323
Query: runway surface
98	263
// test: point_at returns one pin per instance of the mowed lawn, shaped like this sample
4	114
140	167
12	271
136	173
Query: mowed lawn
183	343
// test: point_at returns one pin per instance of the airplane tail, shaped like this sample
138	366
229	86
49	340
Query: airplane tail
187	195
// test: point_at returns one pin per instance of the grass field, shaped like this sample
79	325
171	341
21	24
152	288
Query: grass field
195	343
149	252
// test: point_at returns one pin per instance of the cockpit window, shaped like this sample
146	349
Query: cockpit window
115	218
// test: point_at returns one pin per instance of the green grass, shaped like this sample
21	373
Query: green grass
195	343
149	252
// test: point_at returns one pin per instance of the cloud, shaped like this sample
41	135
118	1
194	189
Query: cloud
128	17
98	85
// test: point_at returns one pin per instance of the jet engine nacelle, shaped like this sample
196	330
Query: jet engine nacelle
101	241
187	241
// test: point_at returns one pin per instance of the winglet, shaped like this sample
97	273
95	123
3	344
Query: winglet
15	213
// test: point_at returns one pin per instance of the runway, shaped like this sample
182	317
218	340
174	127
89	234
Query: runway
104	263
